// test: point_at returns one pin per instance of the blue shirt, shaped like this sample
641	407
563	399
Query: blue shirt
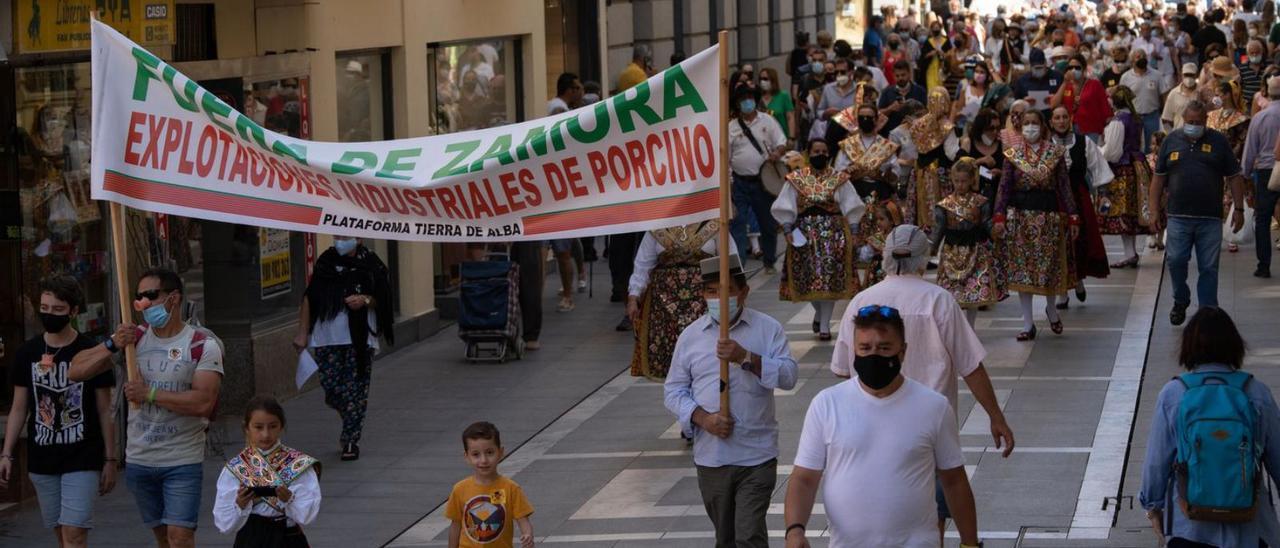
1157	468
694	381
1260	143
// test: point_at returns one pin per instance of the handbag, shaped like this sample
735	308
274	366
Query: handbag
1245	236
1273	184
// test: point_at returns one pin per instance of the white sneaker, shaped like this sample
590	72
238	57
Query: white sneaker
582	286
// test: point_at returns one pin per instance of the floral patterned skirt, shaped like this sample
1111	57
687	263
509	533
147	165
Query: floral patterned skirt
971	274
1035	258
672	301
928	186
822	270
1122	203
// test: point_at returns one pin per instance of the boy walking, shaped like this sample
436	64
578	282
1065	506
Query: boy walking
736	455
483	506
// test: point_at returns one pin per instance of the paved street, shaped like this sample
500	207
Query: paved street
603	464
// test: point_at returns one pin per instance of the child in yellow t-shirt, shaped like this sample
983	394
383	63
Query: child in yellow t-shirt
483	506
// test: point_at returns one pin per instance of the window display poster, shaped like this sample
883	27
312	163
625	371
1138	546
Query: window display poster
273	249
47	25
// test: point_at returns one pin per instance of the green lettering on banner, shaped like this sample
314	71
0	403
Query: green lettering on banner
601	112
185	98
346	166
626	106
297	151
456	165
247	129
394	163
145	62
214	107
500	149
557	134
676	80
536	139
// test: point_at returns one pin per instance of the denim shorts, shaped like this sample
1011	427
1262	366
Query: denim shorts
67	499
166	495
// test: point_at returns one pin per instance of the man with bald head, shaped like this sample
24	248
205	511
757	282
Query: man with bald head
1251	71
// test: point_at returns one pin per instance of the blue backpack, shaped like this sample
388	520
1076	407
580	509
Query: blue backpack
1217	461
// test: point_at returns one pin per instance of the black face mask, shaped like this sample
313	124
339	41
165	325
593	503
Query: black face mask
1141	63
819	161
866	124
54	323
877	371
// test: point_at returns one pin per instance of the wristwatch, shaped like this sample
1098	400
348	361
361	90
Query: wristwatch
111	345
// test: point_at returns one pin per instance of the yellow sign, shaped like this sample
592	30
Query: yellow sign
59	25
273	257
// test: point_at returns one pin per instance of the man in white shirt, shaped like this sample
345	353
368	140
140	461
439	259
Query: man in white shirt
753	140
736	454
943	343
1177	100
879	441
1148	86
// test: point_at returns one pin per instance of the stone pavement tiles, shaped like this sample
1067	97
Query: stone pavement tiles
613	471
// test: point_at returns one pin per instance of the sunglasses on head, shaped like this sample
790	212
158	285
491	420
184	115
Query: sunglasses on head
874	310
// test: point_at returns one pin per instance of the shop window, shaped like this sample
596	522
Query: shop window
196	36
475	84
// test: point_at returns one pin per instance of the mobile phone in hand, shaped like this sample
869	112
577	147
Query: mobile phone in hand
263	491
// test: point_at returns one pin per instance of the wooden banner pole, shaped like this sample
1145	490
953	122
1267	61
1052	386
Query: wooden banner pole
724	216
120	259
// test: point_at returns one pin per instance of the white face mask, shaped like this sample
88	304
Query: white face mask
842	80
766	85
1031	133
1189	82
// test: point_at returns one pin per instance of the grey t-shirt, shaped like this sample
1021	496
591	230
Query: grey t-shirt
159	437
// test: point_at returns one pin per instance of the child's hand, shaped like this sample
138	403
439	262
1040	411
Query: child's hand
244	496
526	540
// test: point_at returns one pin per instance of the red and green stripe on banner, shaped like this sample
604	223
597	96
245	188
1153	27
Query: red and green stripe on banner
630	212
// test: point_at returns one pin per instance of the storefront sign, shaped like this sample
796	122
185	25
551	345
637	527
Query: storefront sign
57	25
641	160
309	241
273	251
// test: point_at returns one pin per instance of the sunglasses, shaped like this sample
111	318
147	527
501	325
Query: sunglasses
149	295
874	310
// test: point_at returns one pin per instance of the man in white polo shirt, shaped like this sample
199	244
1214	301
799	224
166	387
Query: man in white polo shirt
878	442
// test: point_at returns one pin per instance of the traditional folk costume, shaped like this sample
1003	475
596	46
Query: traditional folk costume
1122	205
1235	125
1036	204
824	209
667	281
1086	169
967	266
936	146
870	163
268	522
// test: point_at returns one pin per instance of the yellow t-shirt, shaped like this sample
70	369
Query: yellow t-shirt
487	512
630	77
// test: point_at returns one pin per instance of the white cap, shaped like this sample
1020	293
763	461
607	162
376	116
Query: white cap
1190	68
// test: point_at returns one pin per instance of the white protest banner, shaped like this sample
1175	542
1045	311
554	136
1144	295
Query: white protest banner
644	159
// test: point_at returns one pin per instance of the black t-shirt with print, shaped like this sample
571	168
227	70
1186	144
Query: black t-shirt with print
63	432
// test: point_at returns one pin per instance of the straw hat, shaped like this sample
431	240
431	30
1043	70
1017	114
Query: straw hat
1222	67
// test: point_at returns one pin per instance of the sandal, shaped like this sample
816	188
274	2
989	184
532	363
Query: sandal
1027	335
350	451
824	336
1081	293
1056	327
1131	262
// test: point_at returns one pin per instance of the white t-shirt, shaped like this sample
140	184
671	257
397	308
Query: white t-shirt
889	446
557	105
157	436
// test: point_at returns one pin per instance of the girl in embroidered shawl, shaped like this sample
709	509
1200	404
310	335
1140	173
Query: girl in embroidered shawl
665	292
293	477
1228	117
936	145
819	212
967	263
1035	215
1122	204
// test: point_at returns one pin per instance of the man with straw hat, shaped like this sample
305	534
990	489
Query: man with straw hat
736	453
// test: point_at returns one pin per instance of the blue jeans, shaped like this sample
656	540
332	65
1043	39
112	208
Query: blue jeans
1150	125
1264	205
67	499
166	495
1205	235
750	195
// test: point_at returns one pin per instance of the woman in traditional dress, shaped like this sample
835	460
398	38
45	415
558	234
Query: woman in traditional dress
869	161
967	262
1035	215
935	57
1085	169
665	293
268	491
819	212
936	146
1228	117
1122	204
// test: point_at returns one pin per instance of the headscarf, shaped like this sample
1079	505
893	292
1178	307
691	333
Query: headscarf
338	276
1124	96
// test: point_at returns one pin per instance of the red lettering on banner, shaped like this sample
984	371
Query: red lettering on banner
683	154
185	166
411	199
430	196
659	170
227	143
599	167
635	151
281	174
394	198
534	194
671	161
619	168
355	194
257	169
322	181
206	151
571	169
477	200
498	208
133	136
151	153
506	180
555	181
172	140
239	166
450	204
462	202
701	141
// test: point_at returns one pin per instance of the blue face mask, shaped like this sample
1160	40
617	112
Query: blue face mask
1193	131
817	67
156	315
344	247
748	106
713	309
